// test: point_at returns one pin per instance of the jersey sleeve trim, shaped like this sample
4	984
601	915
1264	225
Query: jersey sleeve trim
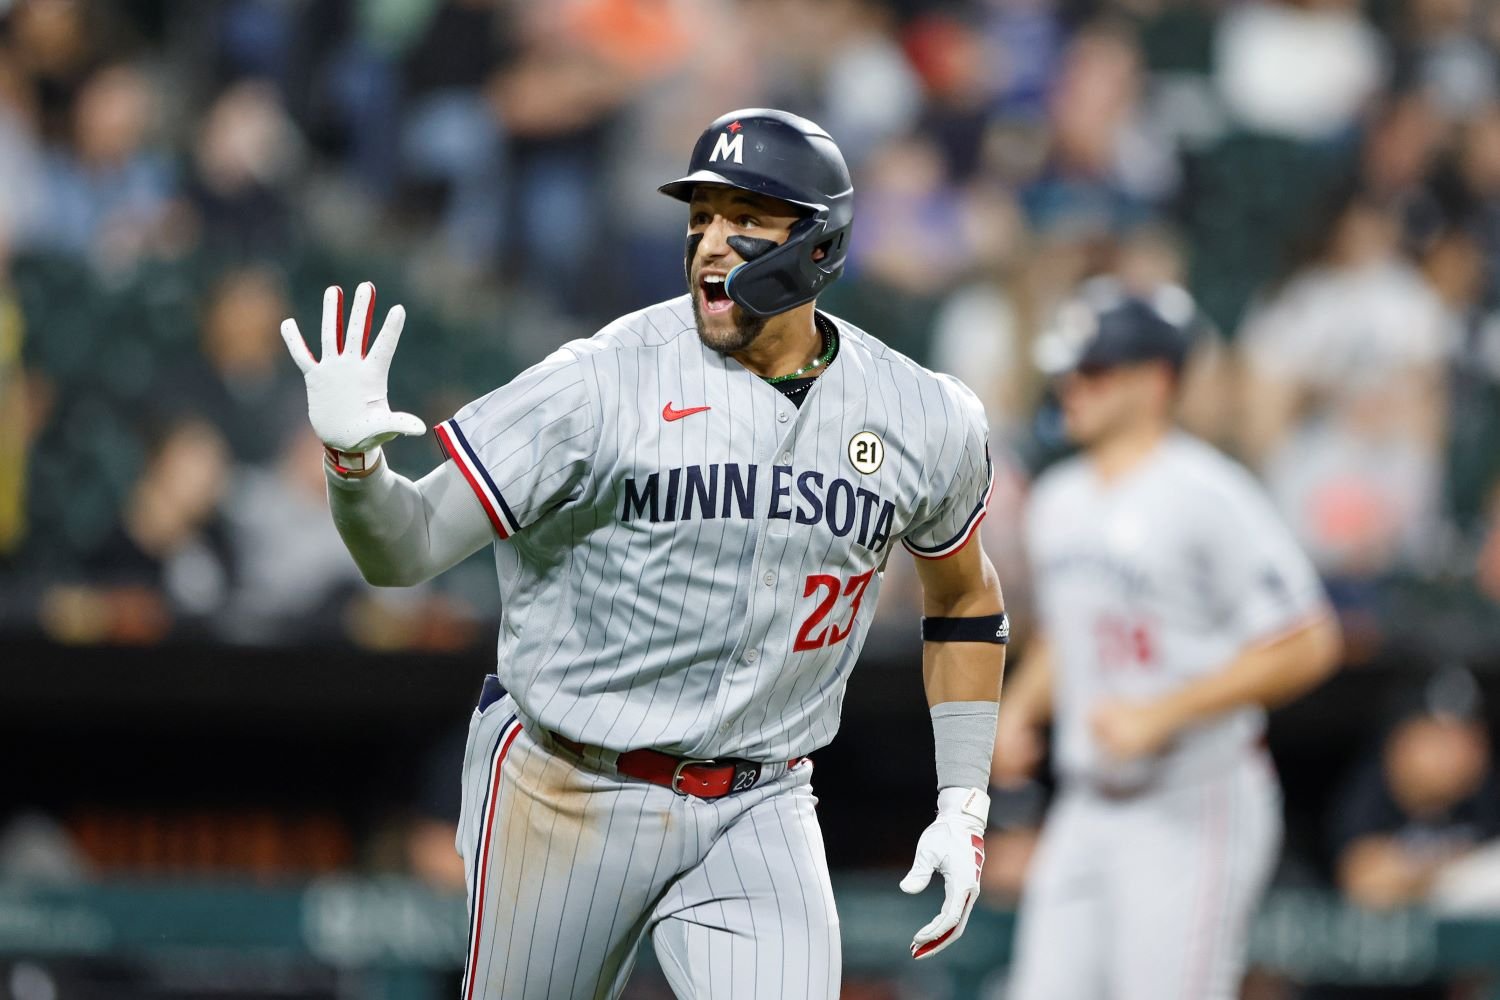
1271	633
451	439
970	526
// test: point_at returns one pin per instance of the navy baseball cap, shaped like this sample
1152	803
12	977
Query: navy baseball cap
1106	326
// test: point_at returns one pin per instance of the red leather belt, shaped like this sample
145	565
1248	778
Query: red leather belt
705	779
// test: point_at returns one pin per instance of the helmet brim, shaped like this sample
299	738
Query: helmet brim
682	189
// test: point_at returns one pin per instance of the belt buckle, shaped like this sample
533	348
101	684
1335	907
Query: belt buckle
683	765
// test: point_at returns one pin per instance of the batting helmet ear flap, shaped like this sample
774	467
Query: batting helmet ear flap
787	276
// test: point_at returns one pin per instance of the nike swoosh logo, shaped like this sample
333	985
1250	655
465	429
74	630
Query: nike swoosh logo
668	414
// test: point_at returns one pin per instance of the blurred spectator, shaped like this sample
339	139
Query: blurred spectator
915	233
1401	148
1345	401
582	60
1105	166
239	379
294	572
1025	38
1412	818
243	157
1470	193
57	44
450	137
980	331
949	54
23	179
1454	265
15	428
1430	797
869	92
917	238
1489	556
166	563
108	192
1304	69
1449	59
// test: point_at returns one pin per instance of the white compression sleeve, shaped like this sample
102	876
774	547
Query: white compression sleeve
402	533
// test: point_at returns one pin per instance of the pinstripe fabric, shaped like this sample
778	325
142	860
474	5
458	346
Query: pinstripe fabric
661	580
1143	585
1151	581
477	870
1150	897
583	865
701	585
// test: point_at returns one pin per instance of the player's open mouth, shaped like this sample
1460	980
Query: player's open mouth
715	298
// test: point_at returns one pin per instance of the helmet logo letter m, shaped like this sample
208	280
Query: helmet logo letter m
728	146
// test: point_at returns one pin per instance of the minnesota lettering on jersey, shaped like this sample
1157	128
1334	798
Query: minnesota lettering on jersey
728	490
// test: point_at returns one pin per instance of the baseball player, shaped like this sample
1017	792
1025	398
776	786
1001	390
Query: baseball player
690	514
1172	607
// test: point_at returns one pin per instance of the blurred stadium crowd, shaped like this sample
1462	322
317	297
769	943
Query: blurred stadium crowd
1324	175
176	177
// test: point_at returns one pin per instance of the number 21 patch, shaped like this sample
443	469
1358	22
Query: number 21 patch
866	451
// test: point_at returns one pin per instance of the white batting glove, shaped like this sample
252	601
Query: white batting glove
346	389
953	846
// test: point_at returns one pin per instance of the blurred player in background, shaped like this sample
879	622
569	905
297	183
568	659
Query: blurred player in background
1172	608
688	513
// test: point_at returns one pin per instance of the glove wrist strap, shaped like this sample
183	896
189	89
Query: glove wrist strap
352	464
970	802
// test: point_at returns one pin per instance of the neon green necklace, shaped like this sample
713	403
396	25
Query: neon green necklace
818	362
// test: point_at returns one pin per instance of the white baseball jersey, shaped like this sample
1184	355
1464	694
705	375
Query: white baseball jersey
688	561
1149	581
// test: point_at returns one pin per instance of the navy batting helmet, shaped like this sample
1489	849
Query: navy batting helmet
1107	325
780	155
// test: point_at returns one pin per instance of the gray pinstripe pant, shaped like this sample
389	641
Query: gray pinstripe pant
569	866
1148	897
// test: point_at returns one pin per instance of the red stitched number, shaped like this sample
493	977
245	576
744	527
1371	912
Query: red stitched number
855	588
817	581
1125	644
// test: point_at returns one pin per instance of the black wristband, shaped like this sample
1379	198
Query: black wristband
985	628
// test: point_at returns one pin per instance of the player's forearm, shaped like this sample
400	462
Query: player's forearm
401	533
963	661
962	671
963	691
1028	687
1268	675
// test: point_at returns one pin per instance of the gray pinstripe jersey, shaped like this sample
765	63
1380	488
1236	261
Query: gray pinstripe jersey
1144	584
687	560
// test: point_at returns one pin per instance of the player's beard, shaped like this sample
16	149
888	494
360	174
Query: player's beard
746	328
